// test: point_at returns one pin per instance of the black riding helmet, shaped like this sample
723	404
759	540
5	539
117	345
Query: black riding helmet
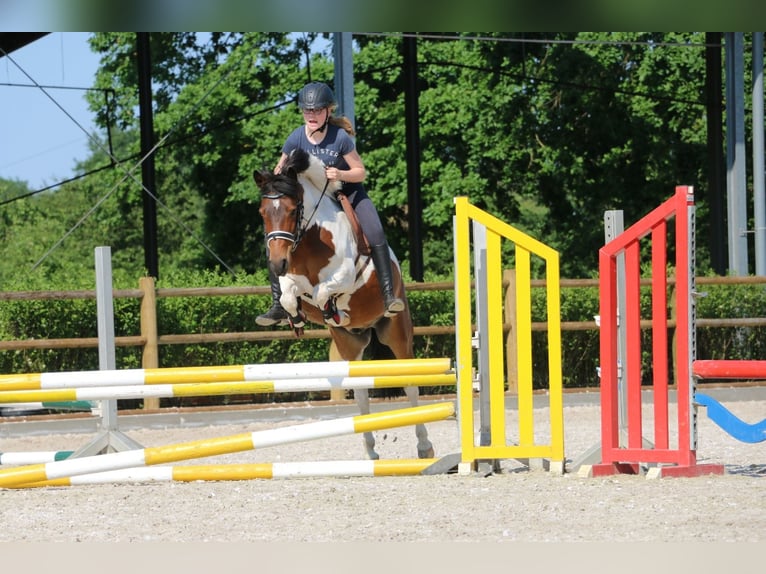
315	96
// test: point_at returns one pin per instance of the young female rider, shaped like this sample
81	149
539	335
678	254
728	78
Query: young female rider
330	139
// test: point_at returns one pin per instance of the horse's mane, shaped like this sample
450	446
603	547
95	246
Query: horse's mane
299	161
310	167
286	181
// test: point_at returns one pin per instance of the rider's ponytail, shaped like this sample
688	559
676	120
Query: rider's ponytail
343	122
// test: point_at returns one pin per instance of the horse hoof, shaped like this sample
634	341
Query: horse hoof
427	453
297	321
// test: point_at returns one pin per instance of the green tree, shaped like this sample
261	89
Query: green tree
546	131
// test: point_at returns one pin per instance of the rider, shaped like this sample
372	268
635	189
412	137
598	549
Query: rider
330	139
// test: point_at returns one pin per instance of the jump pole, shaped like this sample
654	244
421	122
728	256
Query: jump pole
227	373
33	457
226	445
226	388
251	471
729	369
719	414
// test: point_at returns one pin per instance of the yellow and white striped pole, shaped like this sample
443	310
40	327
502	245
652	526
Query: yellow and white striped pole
33	457
224	388
230	373
247	471
225	445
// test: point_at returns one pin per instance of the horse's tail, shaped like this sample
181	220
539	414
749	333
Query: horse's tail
379	351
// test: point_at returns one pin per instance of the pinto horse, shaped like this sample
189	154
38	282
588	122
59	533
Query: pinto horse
324	279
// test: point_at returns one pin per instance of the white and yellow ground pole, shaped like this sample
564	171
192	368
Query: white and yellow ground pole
247	471
33	457
150	456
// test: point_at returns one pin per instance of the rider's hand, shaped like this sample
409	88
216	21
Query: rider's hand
333	174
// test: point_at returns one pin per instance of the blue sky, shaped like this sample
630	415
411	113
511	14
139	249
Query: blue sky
39	143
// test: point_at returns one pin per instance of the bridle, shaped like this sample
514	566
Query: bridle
296	236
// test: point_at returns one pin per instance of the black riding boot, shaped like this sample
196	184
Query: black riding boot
382	261
277	314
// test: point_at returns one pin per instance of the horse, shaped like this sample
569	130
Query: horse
326	280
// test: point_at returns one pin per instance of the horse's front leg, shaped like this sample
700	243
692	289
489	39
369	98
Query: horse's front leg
289	298
326	301
425	448
362	397
337	283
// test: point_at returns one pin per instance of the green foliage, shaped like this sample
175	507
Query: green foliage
580	349
63	319
734	301
433	308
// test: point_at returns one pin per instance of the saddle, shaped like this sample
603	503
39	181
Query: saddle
362	245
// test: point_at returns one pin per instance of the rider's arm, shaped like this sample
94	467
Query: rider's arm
356	172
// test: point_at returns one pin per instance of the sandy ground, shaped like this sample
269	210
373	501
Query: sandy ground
518	504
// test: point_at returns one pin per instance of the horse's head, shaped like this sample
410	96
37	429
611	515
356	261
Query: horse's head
282	213
282	205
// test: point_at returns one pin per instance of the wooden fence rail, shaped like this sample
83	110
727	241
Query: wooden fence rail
148	295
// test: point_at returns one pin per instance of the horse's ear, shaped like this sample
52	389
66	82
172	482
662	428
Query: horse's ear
260	178
290	172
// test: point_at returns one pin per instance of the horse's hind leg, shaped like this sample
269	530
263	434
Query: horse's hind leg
362	397
425	447
396	334
346	346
